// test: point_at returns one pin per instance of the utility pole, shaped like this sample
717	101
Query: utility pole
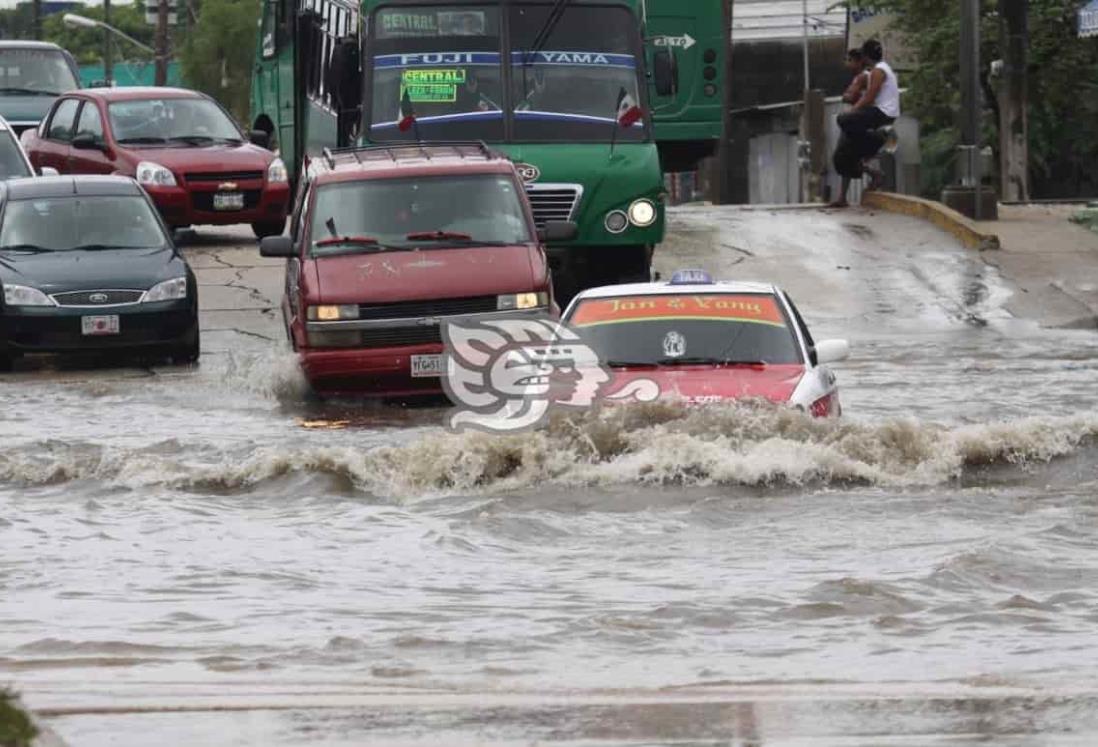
970	95
36	7
162	43
108	61
1013	95
725	152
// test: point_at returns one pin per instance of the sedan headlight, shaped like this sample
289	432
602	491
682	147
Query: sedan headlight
154	175
332	313
22	295
169	290
642	213
519	301
276	172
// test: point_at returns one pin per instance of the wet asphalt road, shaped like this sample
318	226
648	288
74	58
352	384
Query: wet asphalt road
207	556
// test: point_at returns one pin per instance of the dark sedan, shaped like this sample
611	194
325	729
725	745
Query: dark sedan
88	265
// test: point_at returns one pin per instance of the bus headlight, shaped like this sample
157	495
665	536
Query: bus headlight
642	213
616	221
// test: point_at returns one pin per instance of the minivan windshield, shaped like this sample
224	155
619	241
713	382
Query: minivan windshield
59	224
673	329
171	120
35	72
407	213
12	163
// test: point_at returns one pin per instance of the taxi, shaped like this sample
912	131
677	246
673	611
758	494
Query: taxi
704	341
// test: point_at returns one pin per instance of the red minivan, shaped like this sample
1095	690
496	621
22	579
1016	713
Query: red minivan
387	242
180	145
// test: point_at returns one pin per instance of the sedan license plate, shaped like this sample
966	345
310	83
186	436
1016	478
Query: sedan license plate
99	325
428	366
228	201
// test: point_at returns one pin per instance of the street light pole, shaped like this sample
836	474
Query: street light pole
970	96
162	43
75	21
108	62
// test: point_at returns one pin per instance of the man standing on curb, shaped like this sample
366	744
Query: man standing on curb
878	106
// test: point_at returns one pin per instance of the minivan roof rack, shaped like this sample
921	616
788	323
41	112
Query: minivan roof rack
414	149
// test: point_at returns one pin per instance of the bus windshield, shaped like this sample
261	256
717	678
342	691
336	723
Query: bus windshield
572	72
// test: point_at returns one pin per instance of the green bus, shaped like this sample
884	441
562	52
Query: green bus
544	81
687	119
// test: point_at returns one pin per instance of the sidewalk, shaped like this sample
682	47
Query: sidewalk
1052	262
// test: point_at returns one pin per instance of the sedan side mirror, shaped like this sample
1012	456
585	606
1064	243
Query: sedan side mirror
832	351
277	246
665	72
87	142
558	230
260	137
48	171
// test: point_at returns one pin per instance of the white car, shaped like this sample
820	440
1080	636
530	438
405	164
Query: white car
14	163
705	341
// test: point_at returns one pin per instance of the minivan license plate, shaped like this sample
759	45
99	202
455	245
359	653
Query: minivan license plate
99	325
428	366
228	201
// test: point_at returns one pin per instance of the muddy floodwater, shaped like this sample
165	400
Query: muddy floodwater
206	556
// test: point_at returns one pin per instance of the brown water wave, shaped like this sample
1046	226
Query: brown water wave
666	444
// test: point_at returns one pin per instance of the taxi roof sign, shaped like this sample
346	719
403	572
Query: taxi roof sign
691	277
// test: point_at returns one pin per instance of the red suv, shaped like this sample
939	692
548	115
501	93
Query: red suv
181	146
387	242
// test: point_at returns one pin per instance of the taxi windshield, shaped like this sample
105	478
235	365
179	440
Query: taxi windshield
412	213
673	329
59	224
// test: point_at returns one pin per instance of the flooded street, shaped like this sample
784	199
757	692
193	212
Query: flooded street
208	556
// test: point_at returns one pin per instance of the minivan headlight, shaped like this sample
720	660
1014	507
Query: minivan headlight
276	172
332	313
23	295
520	301
154	175
169	290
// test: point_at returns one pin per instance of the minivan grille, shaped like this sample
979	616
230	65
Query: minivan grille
431	308
397	336
223	176
552	203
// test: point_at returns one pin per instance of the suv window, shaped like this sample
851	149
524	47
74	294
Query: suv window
62	121
90	122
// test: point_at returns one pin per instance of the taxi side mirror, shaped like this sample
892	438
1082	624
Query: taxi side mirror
558	230
832	351
277	246
665	72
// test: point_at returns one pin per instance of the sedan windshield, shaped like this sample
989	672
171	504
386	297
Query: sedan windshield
171	120
442	211
35	72
687	328
12	163
59	224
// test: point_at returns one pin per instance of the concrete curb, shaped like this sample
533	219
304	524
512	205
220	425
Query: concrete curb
947	219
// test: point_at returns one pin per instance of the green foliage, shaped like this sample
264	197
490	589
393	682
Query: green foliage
86	45
218	55
16	729
1063	81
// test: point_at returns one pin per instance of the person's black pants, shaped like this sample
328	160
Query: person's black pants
859	140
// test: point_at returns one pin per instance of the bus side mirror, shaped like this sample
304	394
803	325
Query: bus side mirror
665	72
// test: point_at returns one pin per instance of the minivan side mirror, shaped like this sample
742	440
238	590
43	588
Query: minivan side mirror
87	141
558	230
277	246
832	351
260	137
665	72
